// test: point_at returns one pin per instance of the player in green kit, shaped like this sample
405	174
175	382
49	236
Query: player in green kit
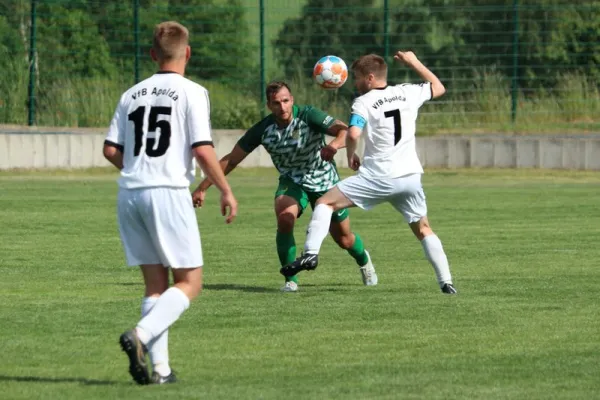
294	138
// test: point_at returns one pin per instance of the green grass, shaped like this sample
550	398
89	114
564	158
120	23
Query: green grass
524	255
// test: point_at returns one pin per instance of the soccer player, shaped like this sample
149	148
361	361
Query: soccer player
160	125
294	137
391	170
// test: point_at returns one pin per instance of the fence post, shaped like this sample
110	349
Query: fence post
32	62
386	28
263	83
136	39
515	62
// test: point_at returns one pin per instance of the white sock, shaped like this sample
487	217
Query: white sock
158	349
147	304
436	256
318	228
168	308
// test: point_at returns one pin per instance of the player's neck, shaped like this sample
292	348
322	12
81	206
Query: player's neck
176	67
283	124
379	85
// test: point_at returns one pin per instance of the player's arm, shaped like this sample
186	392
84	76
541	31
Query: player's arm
114	143
113	152
226	164
247	143
321	122
339	130
207	159
409	59
357	123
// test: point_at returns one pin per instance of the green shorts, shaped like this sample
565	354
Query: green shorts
289	188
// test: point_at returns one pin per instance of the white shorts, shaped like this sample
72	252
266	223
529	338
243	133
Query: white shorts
404	193
159	226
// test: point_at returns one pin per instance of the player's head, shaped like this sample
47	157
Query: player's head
170	43
370	71
280	101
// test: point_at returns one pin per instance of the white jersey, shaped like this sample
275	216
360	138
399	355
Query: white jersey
391	115
156	124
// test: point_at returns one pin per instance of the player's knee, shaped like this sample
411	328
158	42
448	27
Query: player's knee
194	291
285	222
345	241
421	229
155	289
321	200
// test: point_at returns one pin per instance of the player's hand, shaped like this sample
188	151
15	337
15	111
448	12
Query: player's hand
228	202
407	58
328	152
198	197
354	162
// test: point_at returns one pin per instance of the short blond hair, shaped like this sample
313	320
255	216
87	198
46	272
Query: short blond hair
170	40
370	64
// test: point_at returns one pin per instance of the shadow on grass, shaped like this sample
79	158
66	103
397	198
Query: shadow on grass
43	379
241	288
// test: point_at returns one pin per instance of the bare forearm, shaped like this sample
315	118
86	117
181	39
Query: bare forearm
340	140
226	166
214	171
425	73
339	130
351	145
114	156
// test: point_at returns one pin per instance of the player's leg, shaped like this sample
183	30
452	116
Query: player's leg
156	279
354	191
434	251
139	251
351	242
342	234
171	222
290	201
151	329
318	228
411	203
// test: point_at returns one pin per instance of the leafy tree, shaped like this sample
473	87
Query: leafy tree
345	28
457	38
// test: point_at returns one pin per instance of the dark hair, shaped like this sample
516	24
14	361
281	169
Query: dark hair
370	64
274	87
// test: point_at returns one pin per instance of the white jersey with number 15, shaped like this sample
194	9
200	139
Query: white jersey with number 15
389	116
156	124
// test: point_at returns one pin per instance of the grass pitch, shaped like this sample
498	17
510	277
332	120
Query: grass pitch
523	251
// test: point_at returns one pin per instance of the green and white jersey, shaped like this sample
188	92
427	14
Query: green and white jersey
295	149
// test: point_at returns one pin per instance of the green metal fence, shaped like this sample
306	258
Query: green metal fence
508	65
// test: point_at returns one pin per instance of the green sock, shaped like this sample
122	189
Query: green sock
286	250
357	251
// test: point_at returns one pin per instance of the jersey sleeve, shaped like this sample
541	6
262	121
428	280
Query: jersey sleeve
319	120
252	138
417	94
198	117
359	114
116	132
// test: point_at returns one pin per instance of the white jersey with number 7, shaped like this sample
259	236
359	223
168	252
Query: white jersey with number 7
389	117
156	124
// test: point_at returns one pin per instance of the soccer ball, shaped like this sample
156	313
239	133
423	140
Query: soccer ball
330	72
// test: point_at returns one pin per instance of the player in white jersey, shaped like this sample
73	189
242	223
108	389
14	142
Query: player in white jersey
391	170
160	126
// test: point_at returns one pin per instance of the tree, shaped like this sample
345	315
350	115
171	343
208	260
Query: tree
457	38
345	28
